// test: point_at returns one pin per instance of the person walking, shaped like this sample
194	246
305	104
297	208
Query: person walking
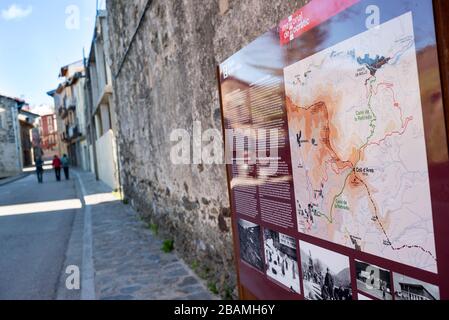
329	284
40	170
383	287
65	166
57	167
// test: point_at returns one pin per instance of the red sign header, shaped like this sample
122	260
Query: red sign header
310	16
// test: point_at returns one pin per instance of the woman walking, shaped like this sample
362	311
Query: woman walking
57	167
65	166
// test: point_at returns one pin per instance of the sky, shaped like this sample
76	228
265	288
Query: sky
37	38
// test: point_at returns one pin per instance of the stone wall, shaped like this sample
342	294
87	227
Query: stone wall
9	159
164	57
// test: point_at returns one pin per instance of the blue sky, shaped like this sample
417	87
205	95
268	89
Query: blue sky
37	38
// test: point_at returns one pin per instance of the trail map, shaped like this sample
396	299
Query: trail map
358	147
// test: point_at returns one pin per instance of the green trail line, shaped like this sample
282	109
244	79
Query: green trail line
373	129
330	217
373	122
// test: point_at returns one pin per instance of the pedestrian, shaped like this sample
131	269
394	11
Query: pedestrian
384	289
65	166
40	170
57	167
329	284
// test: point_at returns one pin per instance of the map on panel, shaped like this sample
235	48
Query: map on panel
358	148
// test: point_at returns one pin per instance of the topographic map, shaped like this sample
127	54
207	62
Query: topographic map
358	148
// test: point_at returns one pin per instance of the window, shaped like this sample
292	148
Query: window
98	125
2	118
49	124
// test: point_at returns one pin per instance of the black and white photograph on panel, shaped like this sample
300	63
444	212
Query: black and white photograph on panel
373	280
250	243
326	274
281	259
406	288
361	297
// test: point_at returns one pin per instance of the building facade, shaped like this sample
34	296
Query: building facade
70	106
30	144
18	144
410	291
48	131
101	115
10	144
164	58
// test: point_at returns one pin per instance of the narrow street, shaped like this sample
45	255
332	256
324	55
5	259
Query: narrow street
35	226
224	150
45	228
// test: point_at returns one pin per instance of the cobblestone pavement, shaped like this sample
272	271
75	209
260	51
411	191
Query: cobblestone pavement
127	257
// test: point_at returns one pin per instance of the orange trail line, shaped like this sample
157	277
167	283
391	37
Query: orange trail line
404	124
390	86
404	127
400	133
343	164
376	216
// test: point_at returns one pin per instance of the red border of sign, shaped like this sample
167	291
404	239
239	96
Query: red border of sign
310	16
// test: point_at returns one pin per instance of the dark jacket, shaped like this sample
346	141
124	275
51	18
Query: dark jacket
39	165
65	162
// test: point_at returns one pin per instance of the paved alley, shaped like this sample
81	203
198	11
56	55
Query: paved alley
45	228
35	226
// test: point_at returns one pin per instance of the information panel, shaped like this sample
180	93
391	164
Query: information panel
337	155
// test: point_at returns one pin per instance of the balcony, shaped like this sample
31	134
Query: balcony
64	137
72	133
105	93
62	112
71	104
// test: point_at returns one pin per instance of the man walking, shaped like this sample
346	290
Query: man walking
40	170
57	167
65	166
329	284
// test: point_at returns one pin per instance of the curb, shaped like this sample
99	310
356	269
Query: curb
13	179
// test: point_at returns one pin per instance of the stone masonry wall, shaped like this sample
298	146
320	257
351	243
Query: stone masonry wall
165	78
9	161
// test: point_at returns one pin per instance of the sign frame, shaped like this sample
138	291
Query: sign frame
442	279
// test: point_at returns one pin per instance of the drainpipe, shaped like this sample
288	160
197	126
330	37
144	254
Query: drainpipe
93	134
91	117
15	121
118	164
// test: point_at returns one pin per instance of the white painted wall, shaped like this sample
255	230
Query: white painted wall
92	163
81	106
107	159
10	149
10	163
84	161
